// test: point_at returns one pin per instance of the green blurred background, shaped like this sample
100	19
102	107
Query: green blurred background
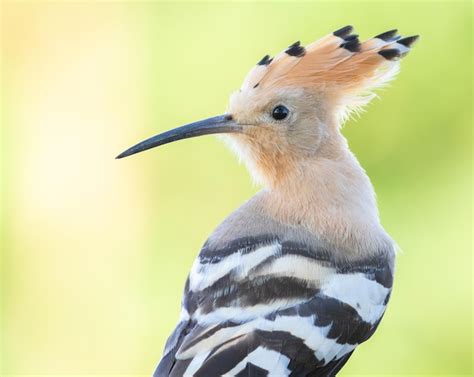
95	251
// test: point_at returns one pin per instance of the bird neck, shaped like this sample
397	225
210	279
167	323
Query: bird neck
331	197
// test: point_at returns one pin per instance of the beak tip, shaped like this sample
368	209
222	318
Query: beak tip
122	155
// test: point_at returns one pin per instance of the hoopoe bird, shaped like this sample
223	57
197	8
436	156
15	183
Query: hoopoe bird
300	275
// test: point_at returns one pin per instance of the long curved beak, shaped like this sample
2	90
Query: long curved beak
215	125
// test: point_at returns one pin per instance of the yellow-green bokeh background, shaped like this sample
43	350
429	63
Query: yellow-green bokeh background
95	251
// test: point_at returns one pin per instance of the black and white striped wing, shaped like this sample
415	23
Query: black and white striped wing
267	307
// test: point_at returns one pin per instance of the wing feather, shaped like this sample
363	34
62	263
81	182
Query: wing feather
265	319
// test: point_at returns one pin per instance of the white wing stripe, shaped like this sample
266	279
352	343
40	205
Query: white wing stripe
364	295
243	313
204	275
297	266
274	362
301	327
196	363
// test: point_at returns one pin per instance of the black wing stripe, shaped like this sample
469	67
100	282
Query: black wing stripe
243	245
347	327
251	370
174	341
226	357
189	301
261	290
332	368
201	334
179	369
374	267
294	348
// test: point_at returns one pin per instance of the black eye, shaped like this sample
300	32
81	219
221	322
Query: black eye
280	112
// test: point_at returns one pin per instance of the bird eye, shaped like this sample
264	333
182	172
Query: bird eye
280	112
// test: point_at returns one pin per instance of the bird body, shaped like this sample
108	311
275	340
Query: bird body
300	275
277	298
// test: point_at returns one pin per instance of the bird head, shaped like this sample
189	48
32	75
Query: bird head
289	108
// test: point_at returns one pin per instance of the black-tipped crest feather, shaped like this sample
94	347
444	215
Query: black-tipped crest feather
390	54
266	60
408	41
388	35
352	45
342	32
296	50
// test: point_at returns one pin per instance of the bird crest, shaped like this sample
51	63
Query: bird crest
338	64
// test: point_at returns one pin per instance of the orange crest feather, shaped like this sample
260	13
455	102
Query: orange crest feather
338	63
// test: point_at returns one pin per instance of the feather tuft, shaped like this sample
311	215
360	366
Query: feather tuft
338	64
